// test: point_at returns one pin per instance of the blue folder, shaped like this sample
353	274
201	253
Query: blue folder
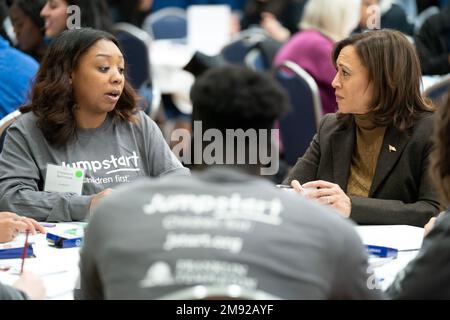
66	239
16	252
382	252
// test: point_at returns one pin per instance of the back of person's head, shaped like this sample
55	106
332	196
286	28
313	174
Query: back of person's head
240	106
32	8
394	71
233	97
52	97
440	159
334	18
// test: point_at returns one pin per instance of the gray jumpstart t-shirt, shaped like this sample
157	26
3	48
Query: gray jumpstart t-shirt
219	228
115	153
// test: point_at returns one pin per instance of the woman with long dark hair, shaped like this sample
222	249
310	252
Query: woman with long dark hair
82	115
280	18
29	26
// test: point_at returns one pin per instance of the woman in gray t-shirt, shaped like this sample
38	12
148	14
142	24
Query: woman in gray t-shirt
82	115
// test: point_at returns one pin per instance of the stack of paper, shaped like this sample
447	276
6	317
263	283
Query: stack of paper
400	237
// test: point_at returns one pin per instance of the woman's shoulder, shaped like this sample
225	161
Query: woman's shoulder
25	126
424	121
422	129
330	121
26	121
142	122
141	115
137	119
144	119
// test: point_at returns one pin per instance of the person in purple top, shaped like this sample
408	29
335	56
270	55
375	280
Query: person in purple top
324	22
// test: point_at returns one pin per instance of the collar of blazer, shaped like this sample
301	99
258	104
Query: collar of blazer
342	146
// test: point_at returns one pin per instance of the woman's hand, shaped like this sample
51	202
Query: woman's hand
330	194
32	285
95	199
297	186
430	224
11	224
273	27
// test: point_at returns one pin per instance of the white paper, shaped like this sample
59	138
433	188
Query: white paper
58	268
209	28
400	237
386	272
18	242
64	179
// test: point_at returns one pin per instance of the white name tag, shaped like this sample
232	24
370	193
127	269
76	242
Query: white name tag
64	179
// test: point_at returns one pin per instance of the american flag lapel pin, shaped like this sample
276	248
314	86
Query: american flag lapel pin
392	149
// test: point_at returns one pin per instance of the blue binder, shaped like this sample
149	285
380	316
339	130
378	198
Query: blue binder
66	239
16	252
382	252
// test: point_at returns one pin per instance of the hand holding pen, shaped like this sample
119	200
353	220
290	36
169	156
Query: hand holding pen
12	224
24	252
32	285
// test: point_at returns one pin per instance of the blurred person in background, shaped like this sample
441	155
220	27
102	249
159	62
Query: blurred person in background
93	14
324	22
279	18
433	43
17	71
29	26
130	11
391	16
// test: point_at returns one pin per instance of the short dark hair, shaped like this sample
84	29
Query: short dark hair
237	98
32	8
52	99
394	70
440	157
234	97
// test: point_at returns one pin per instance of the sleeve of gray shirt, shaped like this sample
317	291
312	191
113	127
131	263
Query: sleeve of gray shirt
91	287
20	189
160	158
354	279
10	293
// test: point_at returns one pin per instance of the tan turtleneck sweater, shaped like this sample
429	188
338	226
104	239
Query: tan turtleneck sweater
369	139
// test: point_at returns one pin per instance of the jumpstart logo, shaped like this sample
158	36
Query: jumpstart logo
113	164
